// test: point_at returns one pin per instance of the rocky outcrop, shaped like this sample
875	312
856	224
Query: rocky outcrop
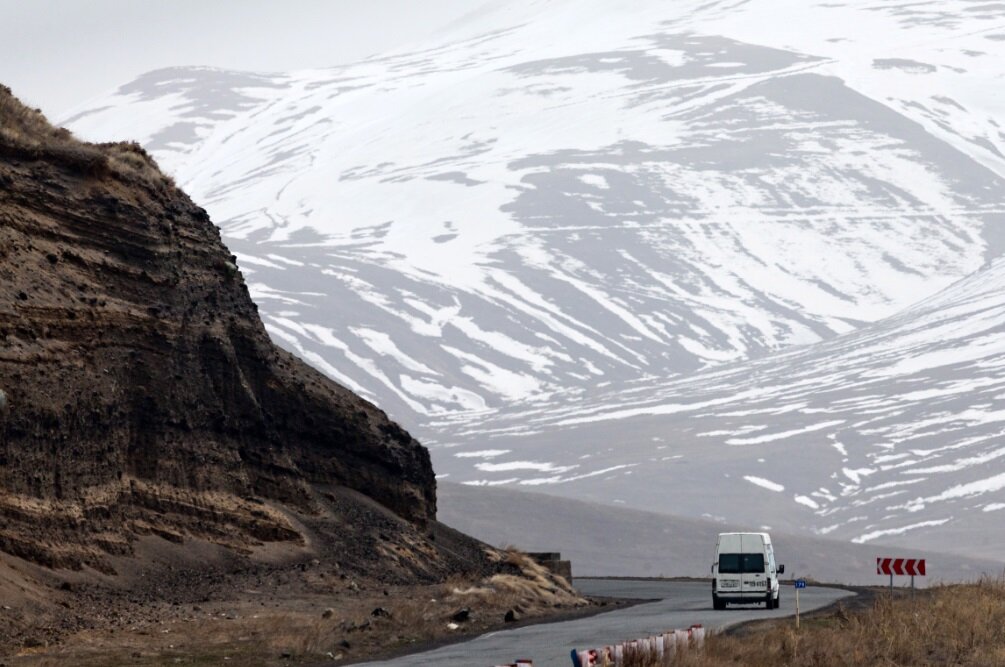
140	392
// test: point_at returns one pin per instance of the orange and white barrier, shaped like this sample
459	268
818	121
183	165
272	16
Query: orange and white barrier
666	644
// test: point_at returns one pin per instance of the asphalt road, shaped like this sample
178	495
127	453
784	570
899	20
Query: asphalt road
677	605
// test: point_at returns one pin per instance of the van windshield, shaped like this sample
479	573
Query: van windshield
741	563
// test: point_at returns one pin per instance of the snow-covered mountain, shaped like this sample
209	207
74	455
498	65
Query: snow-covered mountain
565	242
560	195
893	433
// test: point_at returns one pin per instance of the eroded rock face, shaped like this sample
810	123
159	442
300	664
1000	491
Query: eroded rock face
140	391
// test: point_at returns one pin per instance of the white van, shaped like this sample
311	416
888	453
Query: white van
744	571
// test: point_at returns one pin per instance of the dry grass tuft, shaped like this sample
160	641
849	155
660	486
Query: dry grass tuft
530	584
24	125
25	133
129	160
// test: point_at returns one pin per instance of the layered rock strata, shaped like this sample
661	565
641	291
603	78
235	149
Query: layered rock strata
140	392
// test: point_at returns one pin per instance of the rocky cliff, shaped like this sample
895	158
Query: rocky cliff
141	394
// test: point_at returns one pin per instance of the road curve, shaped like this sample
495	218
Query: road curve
678	604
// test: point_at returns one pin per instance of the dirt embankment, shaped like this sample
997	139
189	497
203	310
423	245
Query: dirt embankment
230	610
157	452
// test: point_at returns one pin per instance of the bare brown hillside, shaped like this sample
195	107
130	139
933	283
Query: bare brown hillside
148	426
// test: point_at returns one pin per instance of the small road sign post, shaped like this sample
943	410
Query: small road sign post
901	566
800	583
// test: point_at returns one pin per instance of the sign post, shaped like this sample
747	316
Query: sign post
800	583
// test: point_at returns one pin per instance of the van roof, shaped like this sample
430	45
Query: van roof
761	534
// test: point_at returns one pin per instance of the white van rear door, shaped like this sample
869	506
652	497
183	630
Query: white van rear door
753	579
728	571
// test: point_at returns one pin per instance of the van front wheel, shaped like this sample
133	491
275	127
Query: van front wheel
717	604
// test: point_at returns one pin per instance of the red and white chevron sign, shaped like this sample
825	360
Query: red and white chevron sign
902	566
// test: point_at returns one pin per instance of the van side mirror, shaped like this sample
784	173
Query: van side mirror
781	569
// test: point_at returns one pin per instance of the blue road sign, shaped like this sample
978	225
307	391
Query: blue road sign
800	583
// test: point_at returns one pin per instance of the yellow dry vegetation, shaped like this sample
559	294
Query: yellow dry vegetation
527	585
961	625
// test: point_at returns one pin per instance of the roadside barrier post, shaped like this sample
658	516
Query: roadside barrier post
662	647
